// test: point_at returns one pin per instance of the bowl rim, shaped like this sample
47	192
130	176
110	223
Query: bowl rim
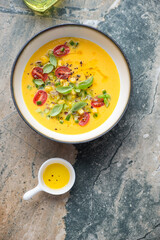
59	26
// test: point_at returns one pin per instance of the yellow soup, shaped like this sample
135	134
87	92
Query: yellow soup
56	176
71	85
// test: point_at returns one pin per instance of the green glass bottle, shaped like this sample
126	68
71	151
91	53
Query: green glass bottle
40	5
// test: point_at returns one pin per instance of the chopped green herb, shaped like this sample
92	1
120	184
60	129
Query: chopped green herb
29	87
104	92
76	121
68	117
61	121
39	103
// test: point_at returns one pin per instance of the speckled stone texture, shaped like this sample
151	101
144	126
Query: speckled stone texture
117	191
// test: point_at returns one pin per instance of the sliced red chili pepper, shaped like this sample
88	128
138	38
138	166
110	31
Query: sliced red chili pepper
40	98
63	72
37	73
97	102
83	120
61	50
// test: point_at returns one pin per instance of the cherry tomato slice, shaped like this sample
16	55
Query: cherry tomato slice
63	72
97	102
37	73
40	97
84	119
61	50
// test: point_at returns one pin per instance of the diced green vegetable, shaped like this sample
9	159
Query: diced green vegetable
76	121
95	115
104	91
86	84
64	90
71	43
68	117
53	60
56	110
39	103
29	87
65	106
62	49
61	121
77	106
48	68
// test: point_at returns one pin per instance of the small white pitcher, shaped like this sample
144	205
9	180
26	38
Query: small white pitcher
42	186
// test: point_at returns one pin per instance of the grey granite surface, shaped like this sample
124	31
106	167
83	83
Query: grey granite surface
117	191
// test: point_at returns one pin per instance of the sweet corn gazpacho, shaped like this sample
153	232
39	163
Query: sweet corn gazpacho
71	85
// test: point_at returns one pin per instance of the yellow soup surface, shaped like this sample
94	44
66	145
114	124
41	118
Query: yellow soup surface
70	105
56	176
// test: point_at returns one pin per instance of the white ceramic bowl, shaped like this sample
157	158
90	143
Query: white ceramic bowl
81	31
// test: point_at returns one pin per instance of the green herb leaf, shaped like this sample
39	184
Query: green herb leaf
39	103
77	90
61	121
107	96
38	82
56	110
68	117
47	68
53	60
77	43
29	87
106	102
64	90
85	84
101	96
104	91
78	106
